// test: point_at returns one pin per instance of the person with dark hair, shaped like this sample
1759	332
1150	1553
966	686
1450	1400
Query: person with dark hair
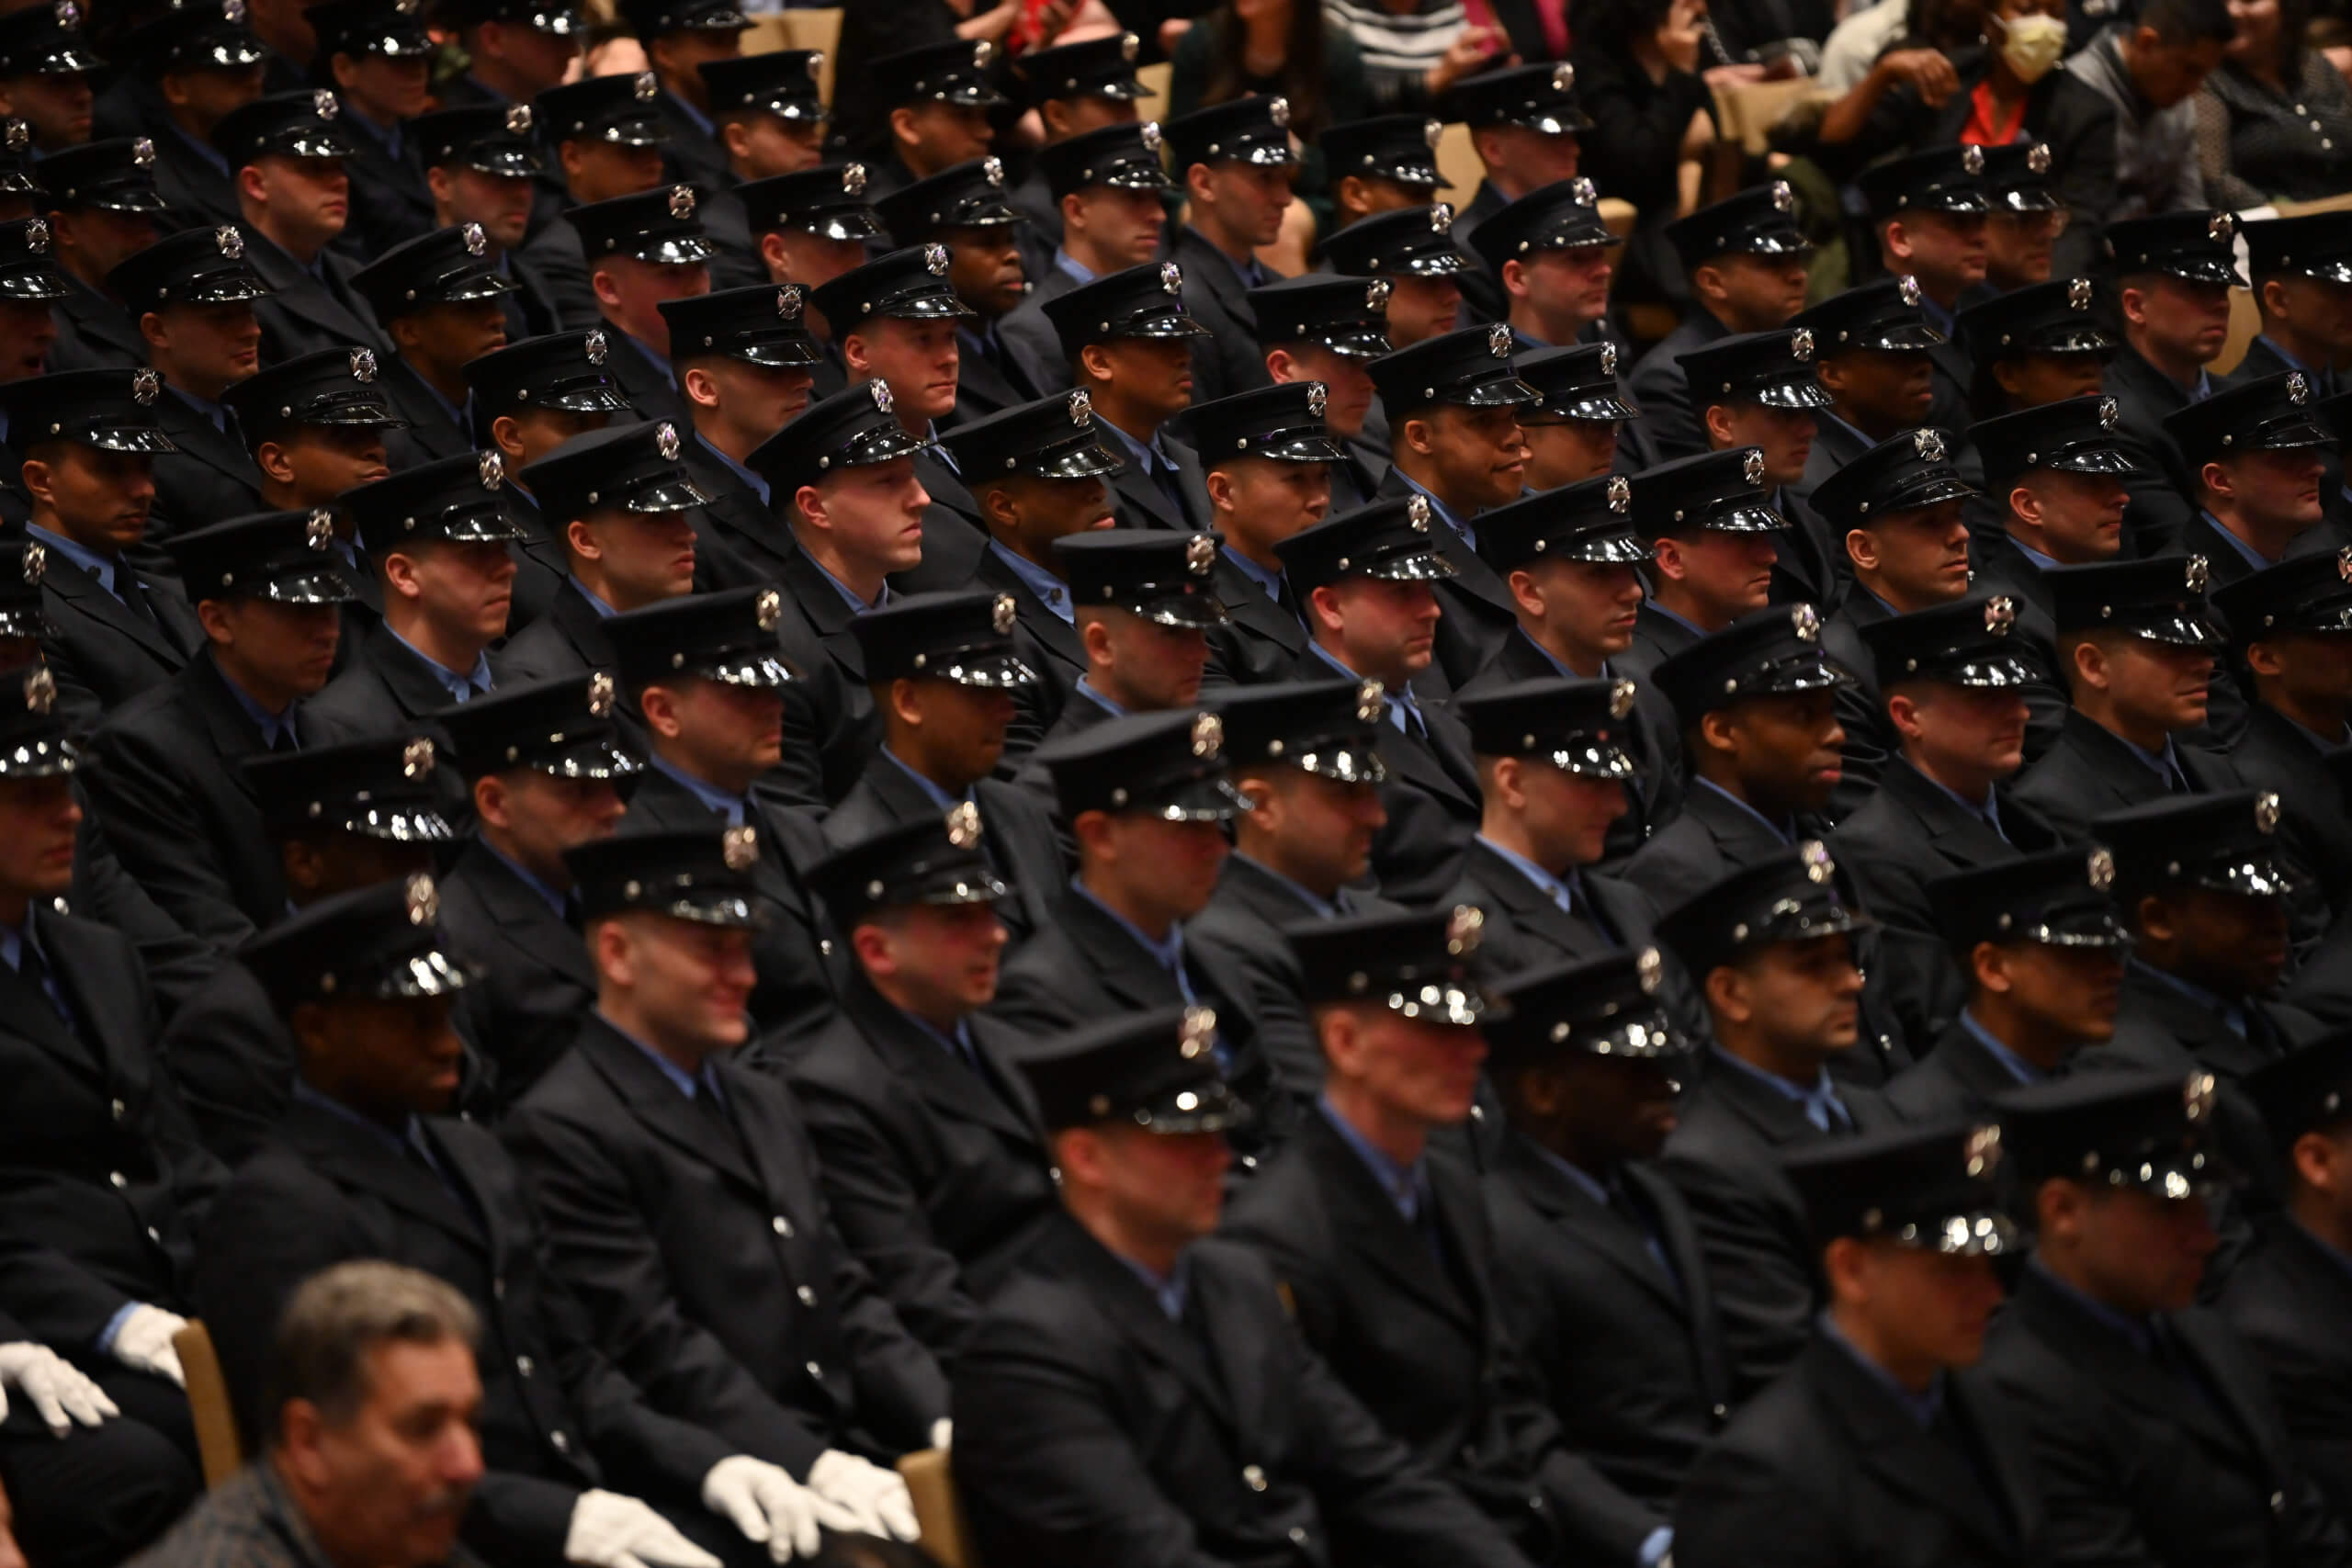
767	120
190	67
1637	65
2273	123
1072	88
103	207
378	57
1234	163
2172	277
2149	71
935	101
679	37
370	1449
1284	49
287	153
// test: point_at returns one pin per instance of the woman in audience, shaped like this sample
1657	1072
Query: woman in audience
1413	50
1653	119
2275	122
1280	47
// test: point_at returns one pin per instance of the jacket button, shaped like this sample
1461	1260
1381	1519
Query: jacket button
523	1365
121	1110
119	1181
2279	1504
782	1226
1299	1535
561	1441
1253	1478
816	1371
498	1289
807	1297
825	946
154	1235
1722	1412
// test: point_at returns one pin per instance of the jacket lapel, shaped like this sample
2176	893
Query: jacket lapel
1893	1447
946	1086
653	1099
1583	1222
523	918
1375	1231
70	582
354	1157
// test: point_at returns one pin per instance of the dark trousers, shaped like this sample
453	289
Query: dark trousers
97	1495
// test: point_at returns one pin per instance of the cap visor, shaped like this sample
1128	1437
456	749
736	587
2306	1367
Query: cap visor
2335	271
2289	434
38	758
1806	393
595	397
224	288
1599	408
402	825
597	758
1610	546
491	525
1267	156
1298	446
1423	566
308	582
512	162
2069	340
2257	877
231	53
1354	342
714	910
1555	122
356	412
666	492
845	223
25	621
1460	1006
1996	672
1433	263
1649	1037
1786	677
1933	491
1178	325
1208	1107
1502	391
1201	800
925	308
681	250
2180	628
131	438
630	134
486	285
2092	460
1899	338
1980	1233
130	198
2078	928
977	888
314	141
2202	269
881	444
556	24
1743	517
974	96
780	353
1084	458
2029	200
1138	177
64	60
32	284
1201	612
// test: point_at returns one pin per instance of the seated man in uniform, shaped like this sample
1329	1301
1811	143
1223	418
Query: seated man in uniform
1524	123
2174	274
1319	328
1073	88
1874	353
1554	258
1270	457
1077	1446
1380	164
935	99
682	1200
1881	1445
1573	432
1758	389
1127	340
440	299
641	250
1772	950
365	980
1928	212
1236	162
606	136
1607	1295
930	1160
2039	939
1714	543
962	209
1104	186
2259	459
286	153
767	119
2151	1427
1412	253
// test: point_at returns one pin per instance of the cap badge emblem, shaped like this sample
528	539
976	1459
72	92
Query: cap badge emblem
2100	871
1200	555
1608	359
600	696
1432	133
2195	575
1209	735
2223	229
1800	345
853	179
1783	199
1081	407
1499	340
982	53
1152	140
2197	1097
1930	445
787	303
1003	614
767	609
1621	699
2344	563
1907	287
142	154
1371	703
1197	1034
594	346
2078	294
1818	867
40	690
477	243
1649	969
518	119
317	529
739	848
992	171
2000	615
1375	294
1129	47
2108	412
681	201
36	236
2299	387
363	365
1751	466
881	393
144	387
1621	493
646	87
1805	622
424	900
1464	930
416	758
324	105
2266	811
665	440
1172	278
963	825
1442	217
1278	111
2037	158
1982	1152
20	135
1583	192
1318	397
68	14
232	11
1564	77
1971	158
1417	511
36	564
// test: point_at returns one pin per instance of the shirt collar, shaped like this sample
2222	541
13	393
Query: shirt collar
271	724
216	412
524	875
1093	694
2162	763
1693	627
1938	316
2041	561
1050	590
1987	810
1782	833
758	486
657	361
2017	1066
1591	1187
2291	362
603	612
1399	703
695	116
1407	1185
1169	1292
1823	1092
1146	455
2230	1012
958	1045
211	155
89	560
1557	889
1469	536
709	794
931	792
1071	266
855	603
2138	1332
1323	907
1824	414
402	1141
1922	1408
685	1083
2252	556
472	682
1272	581
1168	953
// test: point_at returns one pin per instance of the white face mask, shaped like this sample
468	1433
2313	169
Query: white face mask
2033	45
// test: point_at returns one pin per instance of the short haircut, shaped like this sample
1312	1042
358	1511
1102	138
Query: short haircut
2183	22
336	1319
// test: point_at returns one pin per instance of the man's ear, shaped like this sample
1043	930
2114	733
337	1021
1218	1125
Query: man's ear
37	478
1515	279
400	574
1895	239
904	129
1666	554
581	539
270	458
1862	549
736	137
1718	421
659	704
436	180
700	386
573	155
1524	595
507	432
1420	434
853	355
774	257
1219	486
607	287
251	186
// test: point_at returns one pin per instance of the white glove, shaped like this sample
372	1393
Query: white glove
771	1508
54	1385
942	1434
879	1498
609	1530
143	1343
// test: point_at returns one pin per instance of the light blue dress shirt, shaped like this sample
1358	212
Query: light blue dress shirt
1820	1104
462	688
709	794
1051	591
1407	1185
